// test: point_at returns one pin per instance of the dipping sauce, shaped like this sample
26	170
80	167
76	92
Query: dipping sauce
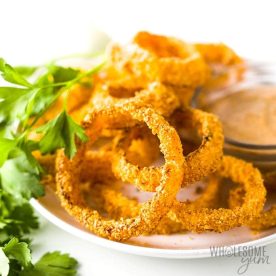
248	115
247	110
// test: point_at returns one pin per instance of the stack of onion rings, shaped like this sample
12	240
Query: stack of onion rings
197	216
137	111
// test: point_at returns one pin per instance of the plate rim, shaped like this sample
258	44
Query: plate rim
141	250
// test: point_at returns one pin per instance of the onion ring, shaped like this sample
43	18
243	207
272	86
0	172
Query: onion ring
226	66
160	97
193	217
218	53
106	192
117	205
200	163
151	212
138	65
266	220
222	219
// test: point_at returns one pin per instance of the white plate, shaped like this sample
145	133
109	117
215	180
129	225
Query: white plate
179	246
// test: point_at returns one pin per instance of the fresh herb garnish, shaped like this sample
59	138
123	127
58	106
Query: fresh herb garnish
21	106
16	259
16	218
60	133
29	93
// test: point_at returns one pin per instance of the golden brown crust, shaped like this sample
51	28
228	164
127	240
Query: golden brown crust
117	205
135	65
155	94
68	175
218	53
265	220
222	219
199	216
201	162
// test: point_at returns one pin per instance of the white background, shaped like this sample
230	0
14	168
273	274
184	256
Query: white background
32	32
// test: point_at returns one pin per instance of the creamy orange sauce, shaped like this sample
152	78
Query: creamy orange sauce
249	115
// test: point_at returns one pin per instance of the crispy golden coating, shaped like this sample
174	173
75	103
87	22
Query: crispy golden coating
155	94
117	205
222	219
97	167
218	53
201	162
184	94
151	212
265	220
134	66
163	46
199	216
225	65
236	196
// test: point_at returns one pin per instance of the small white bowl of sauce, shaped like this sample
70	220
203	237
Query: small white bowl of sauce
247	110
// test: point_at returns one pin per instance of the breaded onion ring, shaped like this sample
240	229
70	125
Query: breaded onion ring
174	63
68	174
200	162
184	94
222	219
226	66
160	97
117	205
105	191
264	221
218	53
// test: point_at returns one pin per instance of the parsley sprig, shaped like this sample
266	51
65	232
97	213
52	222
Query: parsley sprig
22	104
16	259
28	94
16	221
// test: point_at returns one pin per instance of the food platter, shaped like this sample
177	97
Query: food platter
147	173
178	246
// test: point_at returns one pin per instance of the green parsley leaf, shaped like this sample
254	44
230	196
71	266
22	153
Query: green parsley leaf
27	147
19	251
54	264
14	103
50	85
16	218
20	178
21	220
24	220
16	259
11	75
64	74
61	133
25	71
6	146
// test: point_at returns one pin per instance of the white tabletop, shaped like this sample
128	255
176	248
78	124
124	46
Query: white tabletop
34	31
